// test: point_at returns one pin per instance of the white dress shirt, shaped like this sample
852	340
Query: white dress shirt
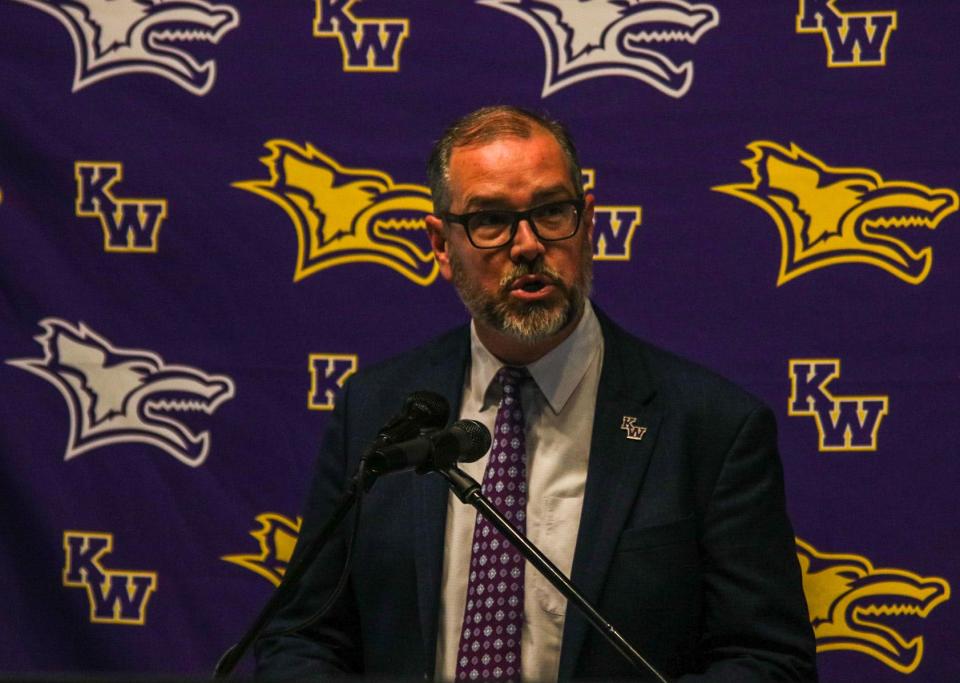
558	409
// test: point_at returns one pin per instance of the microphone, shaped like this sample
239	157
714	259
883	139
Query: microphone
421	410
463	441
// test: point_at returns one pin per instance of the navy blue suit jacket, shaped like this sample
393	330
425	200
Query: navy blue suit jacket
684	543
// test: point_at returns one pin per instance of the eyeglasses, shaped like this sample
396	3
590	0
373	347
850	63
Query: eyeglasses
492	228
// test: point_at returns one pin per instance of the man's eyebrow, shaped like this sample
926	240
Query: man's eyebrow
497	201
552	193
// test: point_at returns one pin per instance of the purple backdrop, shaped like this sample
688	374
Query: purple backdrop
211	214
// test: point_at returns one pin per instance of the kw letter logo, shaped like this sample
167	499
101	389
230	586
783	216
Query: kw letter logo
634	431
845	423
852	38
613	226
347	215
328	372
131	225
116	596
276	537
853	605
366	44
828	215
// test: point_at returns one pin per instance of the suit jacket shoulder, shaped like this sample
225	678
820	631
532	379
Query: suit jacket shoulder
376	393
684	541
644	368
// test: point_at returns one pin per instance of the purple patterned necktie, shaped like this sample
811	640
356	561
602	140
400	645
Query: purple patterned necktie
493	616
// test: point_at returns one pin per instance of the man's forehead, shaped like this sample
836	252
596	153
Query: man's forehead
535	136
492	170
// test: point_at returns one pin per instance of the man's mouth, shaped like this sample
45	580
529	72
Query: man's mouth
532	287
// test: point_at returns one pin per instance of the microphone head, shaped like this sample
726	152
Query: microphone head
429	408
473	440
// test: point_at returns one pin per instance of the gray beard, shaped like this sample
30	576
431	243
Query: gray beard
527	322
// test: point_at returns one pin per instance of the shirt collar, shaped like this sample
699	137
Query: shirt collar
557	374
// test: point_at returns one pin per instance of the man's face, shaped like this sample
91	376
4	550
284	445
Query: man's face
528	290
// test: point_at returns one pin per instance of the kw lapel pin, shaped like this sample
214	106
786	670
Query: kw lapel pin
629	425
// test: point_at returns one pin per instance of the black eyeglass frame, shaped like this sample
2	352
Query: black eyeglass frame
578	203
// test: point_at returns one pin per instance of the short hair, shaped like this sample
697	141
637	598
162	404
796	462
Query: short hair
485	125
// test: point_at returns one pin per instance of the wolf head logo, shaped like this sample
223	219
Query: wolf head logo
591	38
114	37
120	395
276	537
828	215
852	604
347	215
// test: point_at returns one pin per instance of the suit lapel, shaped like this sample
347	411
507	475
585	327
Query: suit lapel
444	374
431	515
615	472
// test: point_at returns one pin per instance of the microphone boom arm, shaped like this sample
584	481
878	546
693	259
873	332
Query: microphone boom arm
363	479
468	491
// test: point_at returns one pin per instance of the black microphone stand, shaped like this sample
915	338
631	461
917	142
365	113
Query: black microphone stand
363	479
468	491
366	476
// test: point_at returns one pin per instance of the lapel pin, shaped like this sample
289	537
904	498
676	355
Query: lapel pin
634	432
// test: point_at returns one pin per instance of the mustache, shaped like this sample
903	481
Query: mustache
538	267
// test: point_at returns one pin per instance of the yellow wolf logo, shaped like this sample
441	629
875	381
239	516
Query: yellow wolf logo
828	215
852	603
347	215
276	537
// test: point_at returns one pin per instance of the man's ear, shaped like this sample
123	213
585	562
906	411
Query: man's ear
588	208
439	243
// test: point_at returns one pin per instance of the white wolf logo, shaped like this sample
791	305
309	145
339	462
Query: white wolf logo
114	37
120	395
590	38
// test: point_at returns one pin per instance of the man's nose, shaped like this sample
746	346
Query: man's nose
526	245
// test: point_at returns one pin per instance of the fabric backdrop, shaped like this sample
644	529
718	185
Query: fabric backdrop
211	214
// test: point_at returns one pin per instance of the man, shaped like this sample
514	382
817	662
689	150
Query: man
653	483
